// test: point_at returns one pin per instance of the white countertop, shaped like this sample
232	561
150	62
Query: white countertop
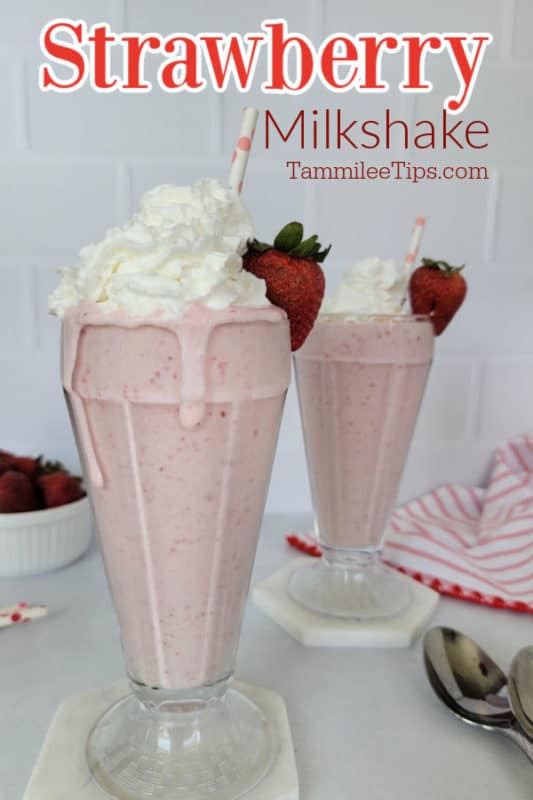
365	723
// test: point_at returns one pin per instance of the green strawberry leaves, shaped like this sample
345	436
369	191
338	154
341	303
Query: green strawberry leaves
258	247
289	237
443	266
290	240
49	467
310	248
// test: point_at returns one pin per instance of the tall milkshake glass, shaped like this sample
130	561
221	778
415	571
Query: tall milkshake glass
175	368
360	383
176	424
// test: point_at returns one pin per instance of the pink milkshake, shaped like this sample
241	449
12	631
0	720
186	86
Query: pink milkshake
360	384
360	380
177	424
175	369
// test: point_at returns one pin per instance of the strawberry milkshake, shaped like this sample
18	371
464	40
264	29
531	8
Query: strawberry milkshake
175	368
361	376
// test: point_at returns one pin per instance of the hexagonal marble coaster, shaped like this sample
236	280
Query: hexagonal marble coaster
316	630
61	771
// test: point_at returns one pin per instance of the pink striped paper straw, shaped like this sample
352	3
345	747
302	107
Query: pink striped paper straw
416	238
242	148
21	612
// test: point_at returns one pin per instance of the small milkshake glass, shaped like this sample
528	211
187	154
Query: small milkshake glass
360	382
176	417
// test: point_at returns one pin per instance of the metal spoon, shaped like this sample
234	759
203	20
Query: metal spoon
473	687
521	688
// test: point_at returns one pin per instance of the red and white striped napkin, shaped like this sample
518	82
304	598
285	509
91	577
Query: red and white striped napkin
476	544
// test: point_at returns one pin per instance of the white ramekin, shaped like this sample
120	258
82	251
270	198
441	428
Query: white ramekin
38	541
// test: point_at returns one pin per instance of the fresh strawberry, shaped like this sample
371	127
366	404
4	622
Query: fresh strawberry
17	493
437	289
59	488
46	467
6	461
294	280
29	466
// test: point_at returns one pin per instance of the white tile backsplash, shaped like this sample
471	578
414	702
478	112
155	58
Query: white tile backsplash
119	124
369	218
503	98
506	407
9	103
414	15
522	43
55	204
206	16
16	313
445	411
22	22
514	218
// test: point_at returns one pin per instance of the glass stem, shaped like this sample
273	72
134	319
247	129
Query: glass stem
181	701
356	560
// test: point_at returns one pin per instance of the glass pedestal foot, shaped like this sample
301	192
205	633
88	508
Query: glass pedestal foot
209	744
362	589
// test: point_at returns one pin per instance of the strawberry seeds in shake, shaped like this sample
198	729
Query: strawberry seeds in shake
361	376
175	365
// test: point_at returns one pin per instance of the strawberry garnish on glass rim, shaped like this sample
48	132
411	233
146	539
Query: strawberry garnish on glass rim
437	289
294	280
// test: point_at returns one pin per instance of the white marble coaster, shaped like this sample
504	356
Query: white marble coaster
315	630
61	771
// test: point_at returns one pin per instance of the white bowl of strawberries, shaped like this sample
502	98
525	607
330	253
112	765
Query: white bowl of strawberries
45	516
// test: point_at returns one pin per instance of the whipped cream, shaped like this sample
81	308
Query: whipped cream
184	246
371	286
